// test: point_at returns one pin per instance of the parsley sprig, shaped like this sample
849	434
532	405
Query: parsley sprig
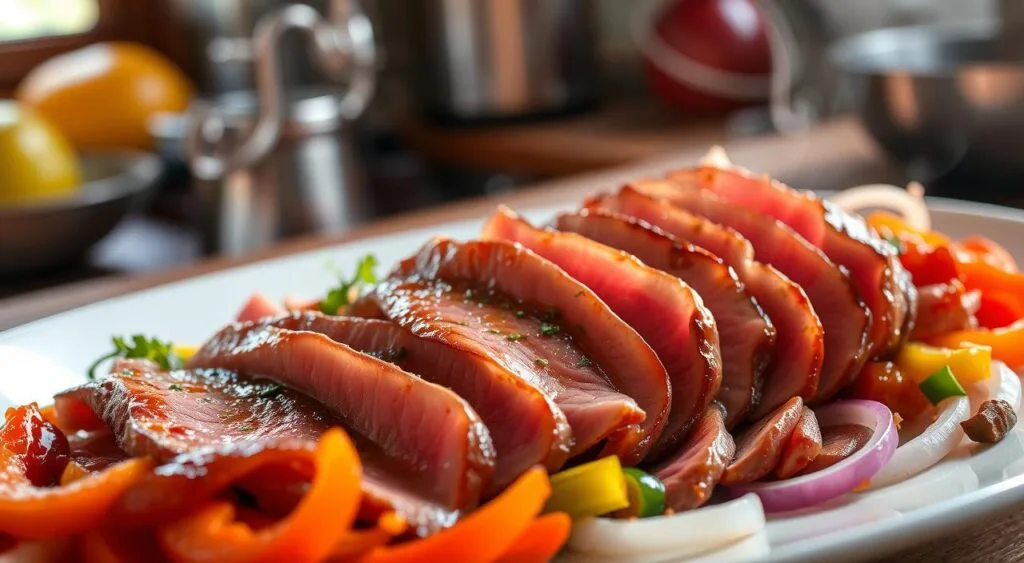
138	347
349	289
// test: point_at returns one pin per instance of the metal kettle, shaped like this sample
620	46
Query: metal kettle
278	162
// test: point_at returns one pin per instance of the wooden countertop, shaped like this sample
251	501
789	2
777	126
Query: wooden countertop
827	158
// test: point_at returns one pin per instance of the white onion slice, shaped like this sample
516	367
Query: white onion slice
907	202
716	156
1004	385
680	535
930	447
843	477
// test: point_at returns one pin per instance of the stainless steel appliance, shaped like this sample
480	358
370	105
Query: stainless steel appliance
276	162
497	59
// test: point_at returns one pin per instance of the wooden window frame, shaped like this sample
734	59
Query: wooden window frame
144	21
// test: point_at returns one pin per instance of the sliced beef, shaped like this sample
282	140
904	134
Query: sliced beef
803	446
944	307
873	264
799	343
526	426
662	309
838	442
751	337
843	315
503	301
168	414
424	426
759	448
691	474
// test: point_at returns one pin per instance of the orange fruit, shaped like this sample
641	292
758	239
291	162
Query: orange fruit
103	95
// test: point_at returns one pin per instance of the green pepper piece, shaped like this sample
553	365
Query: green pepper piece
646	494
941	385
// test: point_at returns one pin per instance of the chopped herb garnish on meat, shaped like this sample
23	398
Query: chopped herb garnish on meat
550	315
350	289
548	329
248	427
584	362
514	337
520	314
175	387
269	391
138	347
541	362
492	331
896	243
205	400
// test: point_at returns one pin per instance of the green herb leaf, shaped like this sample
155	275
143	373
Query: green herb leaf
342	295
514	337
549	329
138	347
520	314
541	362
492	331
584	362
269	391
175	387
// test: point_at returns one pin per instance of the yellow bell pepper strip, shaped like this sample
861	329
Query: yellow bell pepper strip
1007	343
970	362
484	534
184	351
591	489
309	533
541	540
942	385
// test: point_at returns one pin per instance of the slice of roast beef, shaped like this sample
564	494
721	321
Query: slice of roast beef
526	426
944	307
425	427
874	265
802	447
759	448
843	315
751	337
167	414
799	342
501	300
662	309
691	474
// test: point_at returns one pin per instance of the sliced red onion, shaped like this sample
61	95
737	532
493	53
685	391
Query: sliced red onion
929	447
843	477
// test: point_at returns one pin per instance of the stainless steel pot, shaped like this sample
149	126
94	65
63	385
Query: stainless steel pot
277	162
499	59
939	97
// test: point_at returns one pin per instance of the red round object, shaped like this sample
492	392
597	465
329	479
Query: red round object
729	35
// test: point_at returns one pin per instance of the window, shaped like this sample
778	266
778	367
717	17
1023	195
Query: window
31	19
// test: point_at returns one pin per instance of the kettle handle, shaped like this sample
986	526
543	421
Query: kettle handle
342	46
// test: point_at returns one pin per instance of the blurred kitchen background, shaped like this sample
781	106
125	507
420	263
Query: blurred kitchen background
144	135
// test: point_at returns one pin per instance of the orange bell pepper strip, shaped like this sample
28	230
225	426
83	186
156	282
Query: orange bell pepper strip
988	251
1007	343
309	533
114	545
482	536
357	543
541	540
999	309
31	512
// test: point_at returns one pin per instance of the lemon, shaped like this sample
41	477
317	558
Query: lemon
36	162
